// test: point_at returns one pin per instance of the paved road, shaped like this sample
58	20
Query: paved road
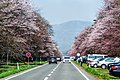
66	71
60	71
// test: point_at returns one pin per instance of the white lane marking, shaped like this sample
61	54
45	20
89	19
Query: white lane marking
46	78
52	72
49	75
80	71
24	72
56	67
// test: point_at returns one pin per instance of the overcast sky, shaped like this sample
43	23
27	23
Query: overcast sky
59	11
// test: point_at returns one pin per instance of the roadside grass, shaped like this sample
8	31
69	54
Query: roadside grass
100	74
11	68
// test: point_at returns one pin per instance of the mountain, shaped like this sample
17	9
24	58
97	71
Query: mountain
65	33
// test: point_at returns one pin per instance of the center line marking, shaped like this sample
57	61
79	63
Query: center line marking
49	74
52	72
46	78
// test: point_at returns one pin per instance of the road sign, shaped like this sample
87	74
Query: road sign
28	54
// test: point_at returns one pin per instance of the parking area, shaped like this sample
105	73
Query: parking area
102	66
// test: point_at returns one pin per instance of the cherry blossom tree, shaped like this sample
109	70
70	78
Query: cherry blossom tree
23	30
103	36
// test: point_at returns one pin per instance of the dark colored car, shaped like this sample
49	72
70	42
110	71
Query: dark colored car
84	59
76	57
52	60
115	69
109	65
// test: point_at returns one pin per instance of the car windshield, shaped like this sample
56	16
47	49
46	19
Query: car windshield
97	59
101	59
91	56
67	57
109	60
52	57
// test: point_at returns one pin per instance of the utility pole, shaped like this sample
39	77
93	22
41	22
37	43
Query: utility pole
8	51
7	58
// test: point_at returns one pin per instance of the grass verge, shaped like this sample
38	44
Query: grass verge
6	70
99	73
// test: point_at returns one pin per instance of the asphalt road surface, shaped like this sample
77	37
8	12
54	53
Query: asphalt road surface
60	71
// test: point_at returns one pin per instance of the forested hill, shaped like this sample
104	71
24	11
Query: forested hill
65	33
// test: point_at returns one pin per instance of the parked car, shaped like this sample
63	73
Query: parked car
115	69
104	63
52	59
66	59
84	58
116	61
92	57
95	56
95	62
110	64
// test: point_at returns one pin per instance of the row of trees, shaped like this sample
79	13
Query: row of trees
24	30
104	35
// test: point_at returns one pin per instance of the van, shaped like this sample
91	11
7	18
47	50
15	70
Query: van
91	57
66	59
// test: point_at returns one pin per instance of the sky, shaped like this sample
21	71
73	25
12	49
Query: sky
59	11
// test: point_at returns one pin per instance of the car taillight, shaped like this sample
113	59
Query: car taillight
114	67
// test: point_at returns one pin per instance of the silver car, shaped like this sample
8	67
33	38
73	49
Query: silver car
95	62
104	63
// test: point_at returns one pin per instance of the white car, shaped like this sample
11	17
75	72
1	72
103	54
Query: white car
66	59
91	57
104	63
95	62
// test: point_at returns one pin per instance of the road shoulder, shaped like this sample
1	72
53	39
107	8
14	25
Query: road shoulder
84	73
